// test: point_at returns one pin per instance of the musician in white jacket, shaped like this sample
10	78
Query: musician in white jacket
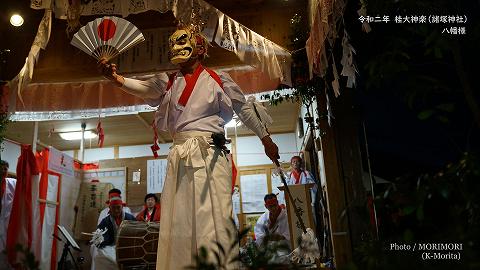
7	193
298	175
274	222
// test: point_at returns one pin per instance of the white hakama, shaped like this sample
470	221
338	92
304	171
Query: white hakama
196	202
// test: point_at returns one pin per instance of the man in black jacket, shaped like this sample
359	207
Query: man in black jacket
106	258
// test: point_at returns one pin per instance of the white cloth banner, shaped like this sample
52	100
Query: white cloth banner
156	172
60	162
41	40
70	189
102	7
253	49
227	34
49	219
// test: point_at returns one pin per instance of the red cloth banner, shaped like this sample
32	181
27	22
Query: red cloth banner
20	225
101	134
85	166
234	173
46	176
155	146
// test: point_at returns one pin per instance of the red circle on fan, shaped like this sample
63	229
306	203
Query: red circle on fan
106	29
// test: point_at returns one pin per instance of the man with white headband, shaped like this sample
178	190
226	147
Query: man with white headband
194	105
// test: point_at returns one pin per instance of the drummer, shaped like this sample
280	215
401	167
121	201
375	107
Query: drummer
114	192
106	258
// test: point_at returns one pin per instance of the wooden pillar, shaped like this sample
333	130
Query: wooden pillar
348	129
35	136
335	190
82	143
116	152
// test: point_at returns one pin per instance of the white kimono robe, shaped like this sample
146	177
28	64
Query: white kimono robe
196	198
280	227
305	178
7	200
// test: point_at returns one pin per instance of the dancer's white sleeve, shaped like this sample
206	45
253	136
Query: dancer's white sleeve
151	90
246	114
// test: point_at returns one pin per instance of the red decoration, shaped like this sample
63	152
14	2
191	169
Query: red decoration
296	174
106	29
271	202
101	135
190	84
155	146
86	166
20	229
234	173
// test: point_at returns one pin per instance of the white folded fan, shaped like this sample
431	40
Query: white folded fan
107	37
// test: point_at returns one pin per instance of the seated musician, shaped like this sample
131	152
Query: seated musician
114	192
273	223
151	212
272	231
105	236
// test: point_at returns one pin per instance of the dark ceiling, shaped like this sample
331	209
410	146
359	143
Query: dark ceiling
19	39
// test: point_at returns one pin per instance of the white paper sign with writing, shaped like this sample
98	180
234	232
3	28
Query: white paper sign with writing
253	188
60	162
156	173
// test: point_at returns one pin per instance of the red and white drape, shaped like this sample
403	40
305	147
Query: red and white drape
22	226
49	209
35	210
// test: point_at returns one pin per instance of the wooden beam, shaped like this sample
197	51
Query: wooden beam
35	136
48	202
149	127
116	151
144	122
42	144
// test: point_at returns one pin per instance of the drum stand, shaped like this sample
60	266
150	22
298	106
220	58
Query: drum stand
62	264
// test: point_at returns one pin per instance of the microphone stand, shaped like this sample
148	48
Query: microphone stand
65	252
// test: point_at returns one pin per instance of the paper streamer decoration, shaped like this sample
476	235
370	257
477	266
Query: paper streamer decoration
349	68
